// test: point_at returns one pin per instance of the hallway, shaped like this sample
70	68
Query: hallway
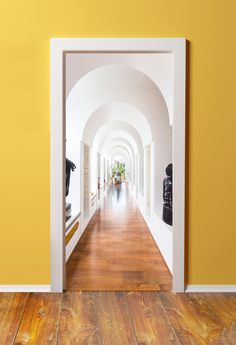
117	251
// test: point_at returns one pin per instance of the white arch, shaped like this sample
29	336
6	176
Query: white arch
137	155
117	83
120	152
121	155
119	112
120	148
108	146
125	140
130	160
105	135
117	142
95	136
123	84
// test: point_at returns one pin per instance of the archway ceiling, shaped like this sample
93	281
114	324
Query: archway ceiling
117	129
118	112
117	83
120	152
121	136
117	142
158	67
120	146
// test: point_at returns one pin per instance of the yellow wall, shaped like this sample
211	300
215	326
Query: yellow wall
25	29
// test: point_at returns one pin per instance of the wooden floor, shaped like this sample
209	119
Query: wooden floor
112	247
117	251
117	318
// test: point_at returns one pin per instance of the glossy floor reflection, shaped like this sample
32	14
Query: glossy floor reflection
117	251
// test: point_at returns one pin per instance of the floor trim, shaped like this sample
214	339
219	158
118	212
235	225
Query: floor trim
25	288
210	288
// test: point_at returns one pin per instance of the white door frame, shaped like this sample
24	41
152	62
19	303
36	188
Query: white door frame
59	46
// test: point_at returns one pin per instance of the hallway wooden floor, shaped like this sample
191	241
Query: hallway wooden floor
117	251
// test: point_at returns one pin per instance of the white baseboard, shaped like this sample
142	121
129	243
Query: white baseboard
210	288
25	288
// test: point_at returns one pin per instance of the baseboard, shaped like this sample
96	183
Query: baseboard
210	288
25	288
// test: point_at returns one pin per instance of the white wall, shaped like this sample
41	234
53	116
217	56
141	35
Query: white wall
141	173
73	153
94	171
147	176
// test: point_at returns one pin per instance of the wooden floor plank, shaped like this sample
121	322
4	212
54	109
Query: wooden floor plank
40	320
78	322
199	318
118	318
221	310
12	307
189	327
117	251
114	319
151	324
118	281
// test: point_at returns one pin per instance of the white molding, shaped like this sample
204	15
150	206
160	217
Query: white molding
178	154
176	46
57	173
210	288
25	288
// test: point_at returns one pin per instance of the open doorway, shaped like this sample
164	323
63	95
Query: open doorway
122	103
118	170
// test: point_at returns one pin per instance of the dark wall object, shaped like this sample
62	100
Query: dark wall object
70	166
68	211
167	196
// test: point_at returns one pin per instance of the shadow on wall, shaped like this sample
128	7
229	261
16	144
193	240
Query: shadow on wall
187	159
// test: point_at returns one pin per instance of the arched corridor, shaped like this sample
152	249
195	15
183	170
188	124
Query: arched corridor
116	251
119	136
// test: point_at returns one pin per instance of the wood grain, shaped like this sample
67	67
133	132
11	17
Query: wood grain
151	323
40	321
79	322
117	251
200	318
115	322
95	319
118	318
12	306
